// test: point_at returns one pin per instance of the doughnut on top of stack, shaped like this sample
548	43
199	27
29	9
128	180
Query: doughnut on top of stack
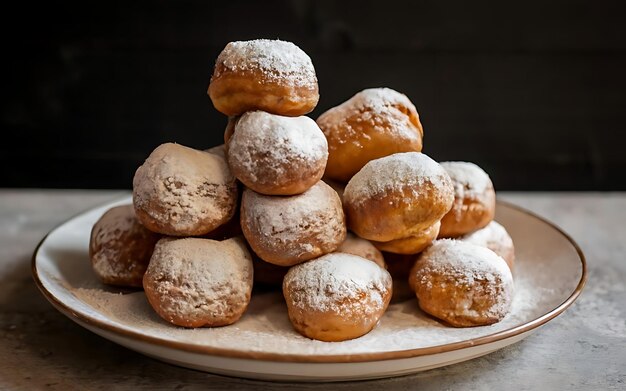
269	75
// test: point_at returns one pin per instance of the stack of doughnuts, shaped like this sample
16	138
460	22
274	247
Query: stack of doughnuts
341	213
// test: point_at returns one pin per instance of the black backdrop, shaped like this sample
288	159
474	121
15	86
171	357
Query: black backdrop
533	91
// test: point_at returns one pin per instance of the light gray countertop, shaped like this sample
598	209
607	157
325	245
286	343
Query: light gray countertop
583	349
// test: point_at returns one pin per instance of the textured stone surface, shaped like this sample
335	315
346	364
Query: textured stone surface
583	349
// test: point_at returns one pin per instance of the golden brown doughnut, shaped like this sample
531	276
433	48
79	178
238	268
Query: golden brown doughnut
462	284
399	266
363	248
268	75
120	247
194	282
474	200
336	297
293	229
180	191
277	155
495	238
412	244
373	123
397	197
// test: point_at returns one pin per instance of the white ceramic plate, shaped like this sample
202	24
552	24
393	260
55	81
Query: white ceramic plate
550	274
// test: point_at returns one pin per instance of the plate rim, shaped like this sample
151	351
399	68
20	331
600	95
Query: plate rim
316	358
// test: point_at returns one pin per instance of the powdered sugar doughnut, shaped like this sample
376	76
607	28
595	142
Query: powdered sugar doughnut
363	248
336	297
268	75
289	230
373	123
495	238
180	191
120	247
196	282
397	197
462	284
277	155
474	200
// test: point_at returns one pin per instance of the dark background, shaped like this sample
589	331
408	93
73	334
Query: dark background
533	91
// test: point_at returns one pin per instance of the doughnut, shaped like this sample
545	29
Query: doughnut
268	75
399	266
120	247
495	238
462	284
401	196
336	297
412	244
373	123
289	230
363	248
193	282
474	200
180	191
277	155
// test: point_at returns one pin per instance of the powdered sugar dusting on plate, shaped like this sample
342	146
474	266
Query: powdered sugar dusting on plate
265	326
547	273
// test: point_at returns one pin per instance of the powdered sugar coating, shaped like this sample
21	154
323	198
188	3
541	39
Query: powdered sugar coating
120	247
495	237
492	235
371	105
280	61
293	228
340	283
194	282
273	151
474	273
398	172
469	179
182	191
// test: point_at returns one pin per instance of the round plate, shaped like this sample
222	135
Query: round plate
549	275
